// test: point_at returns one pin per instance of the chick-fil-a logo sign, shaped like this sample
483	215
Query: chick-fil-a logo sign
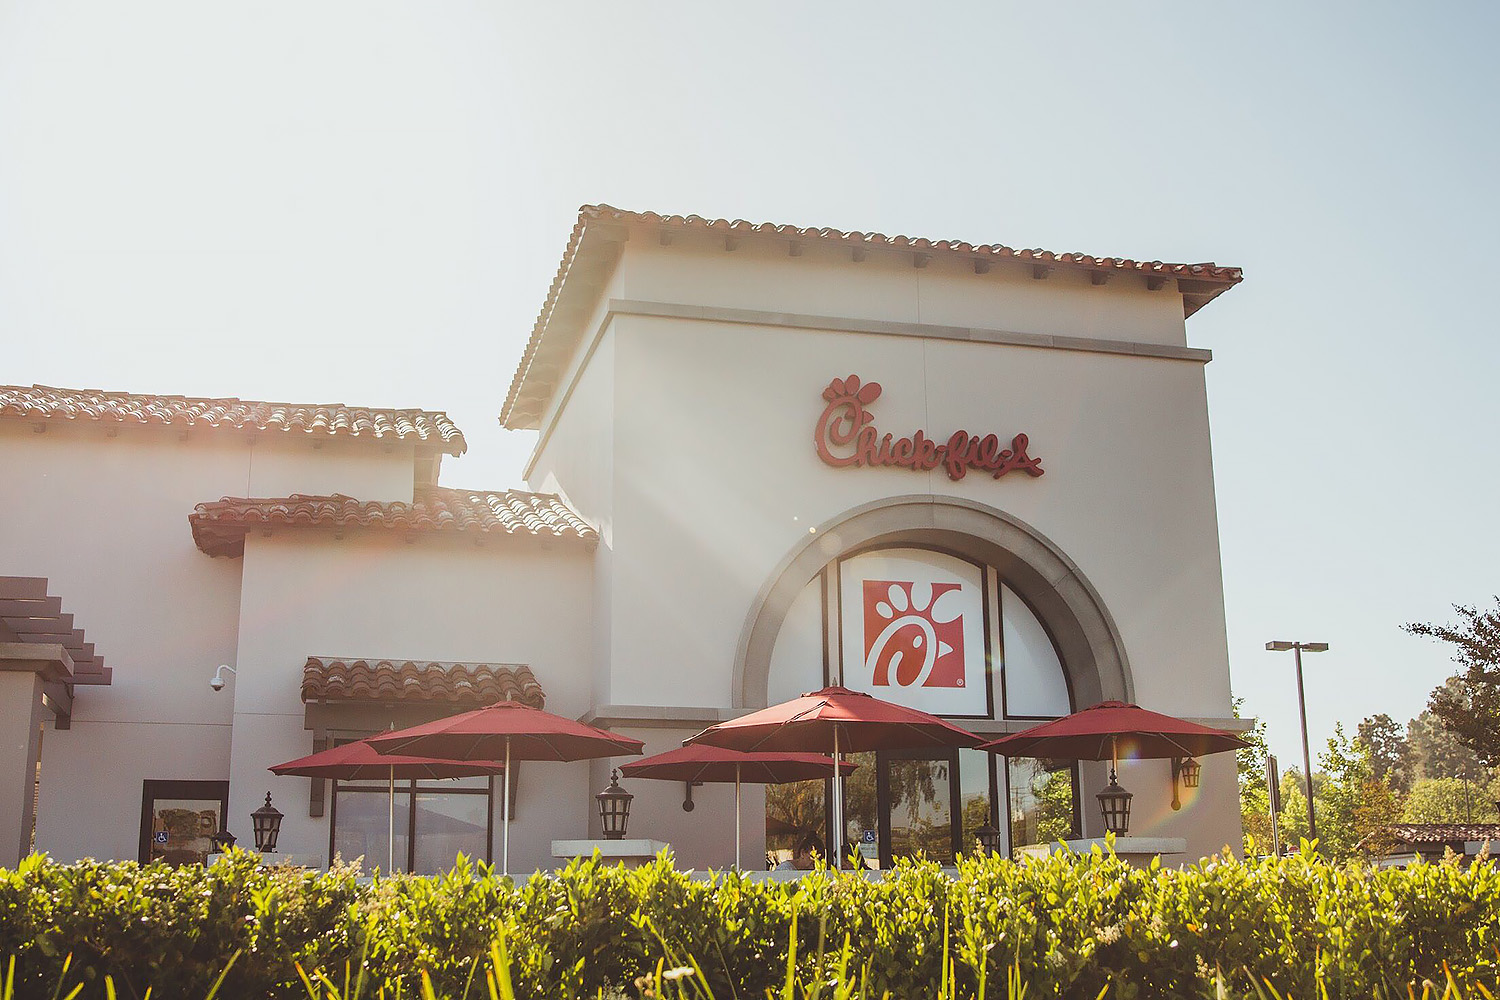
846	435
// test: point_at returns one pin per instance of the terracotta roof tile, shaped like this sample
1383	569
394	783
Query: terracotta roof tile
347	679
1444	833
219	528
421	427
1207	280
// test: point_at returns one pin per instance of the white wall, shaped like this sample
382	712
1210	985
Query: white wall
825	282
372	595
577	460
716	479
104	519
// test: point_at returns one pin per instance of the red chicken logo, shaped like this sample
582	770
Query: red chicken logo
914	634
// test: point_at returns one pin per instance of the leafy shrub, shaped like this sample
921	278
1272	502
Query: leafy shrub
1067	926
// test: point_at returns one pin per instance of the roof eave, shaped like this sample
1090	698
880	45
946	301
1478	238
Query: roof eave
595	244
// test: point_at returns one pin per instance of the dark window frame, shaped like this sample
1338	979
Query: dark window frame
830	578
411	787
170	788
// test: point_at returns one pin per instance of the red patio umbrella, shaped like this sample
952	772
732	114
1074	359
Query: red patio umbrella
836	720
359	761
506	730
1103	731
696	762
1106	730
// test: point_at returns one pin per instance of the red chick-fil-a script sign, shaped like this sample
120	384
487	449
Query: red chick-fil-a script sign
846	436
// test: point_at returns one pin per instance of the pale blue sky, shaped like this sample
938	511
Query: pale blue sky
366	201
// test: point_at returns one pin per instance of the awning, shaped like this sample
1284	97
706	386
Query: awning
347	679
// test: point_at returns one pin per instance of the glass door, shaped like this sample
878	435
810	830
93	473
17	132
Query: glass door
919	795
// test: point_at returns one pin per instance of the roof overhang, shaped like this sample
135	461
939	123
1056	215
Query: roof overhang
598	238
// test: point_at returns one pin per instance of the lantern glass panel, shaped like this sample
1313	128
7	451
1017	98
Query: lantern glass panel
614	809
266	821
1192	773
1114	805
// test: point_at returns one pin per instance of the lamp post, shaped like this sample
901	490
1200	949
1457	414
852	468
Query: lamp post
1297	649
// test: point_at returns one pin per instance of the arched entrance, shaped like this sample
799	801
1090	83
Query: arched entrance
1080	626
1001	627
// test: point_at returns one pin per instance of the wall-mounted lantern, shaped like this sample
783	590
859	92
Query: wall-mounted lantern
988	837
267	823
1186	773
614	808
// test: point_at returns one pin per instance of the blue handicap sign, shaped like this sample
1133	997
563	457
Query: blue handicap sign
868	837
160	836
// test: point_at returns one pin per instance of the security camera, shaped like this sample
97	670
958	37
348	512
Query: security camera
217	683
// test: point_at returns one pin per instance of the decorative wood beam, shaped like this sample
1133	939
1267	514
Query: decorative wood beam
731	244
920	260
794	248
666	236
858	254
1155	282
1040	271
23	588
30	609
981	266
1098	277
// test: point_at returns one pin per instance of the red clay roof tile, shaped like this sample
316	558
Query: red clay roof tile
421	427
347	679
1208	279
1444	833
219	528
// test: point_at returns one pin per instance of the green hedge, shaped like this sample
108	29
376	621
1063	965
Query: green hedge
1067	926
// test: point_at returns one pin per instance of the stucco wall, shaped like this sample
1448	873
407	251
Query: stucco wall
577	460
823	281
716	479
1128	491
104	519
373	595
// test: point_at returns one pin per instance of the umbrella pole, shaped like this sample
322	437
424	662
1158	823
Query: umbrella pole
736	817
390	826
505	814
838	805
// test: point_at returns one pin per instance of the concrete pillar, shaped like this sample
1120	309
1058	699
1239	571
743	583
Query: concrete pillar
21	716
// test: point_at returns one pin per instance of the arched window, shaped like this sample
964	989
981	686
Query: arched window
933	630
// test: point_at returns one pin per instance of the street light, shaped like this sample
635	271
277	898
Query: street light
1298	648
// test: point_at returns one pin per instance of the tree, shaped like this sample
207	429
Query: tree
1436	752
1469	704
1389	751
1355	808
1448	800
1255	808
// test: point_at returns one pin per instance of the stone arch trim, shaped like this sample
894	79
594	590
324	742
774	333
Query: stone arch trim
1088	641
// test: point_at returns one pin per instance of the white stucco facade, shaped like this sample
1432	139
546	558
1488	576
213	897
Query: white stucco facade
676	386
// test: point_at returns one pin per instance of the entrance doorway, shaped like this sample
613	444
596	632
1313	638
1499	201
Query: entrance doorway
901	804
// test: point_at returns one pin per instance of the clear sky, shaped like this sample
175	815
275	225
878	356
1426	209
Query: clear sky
366	201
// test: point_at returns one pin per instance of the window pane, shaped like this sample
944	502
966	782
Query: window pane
921	809
182	830
360	823
1041	801
974	796
862	807
448	824
794	811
